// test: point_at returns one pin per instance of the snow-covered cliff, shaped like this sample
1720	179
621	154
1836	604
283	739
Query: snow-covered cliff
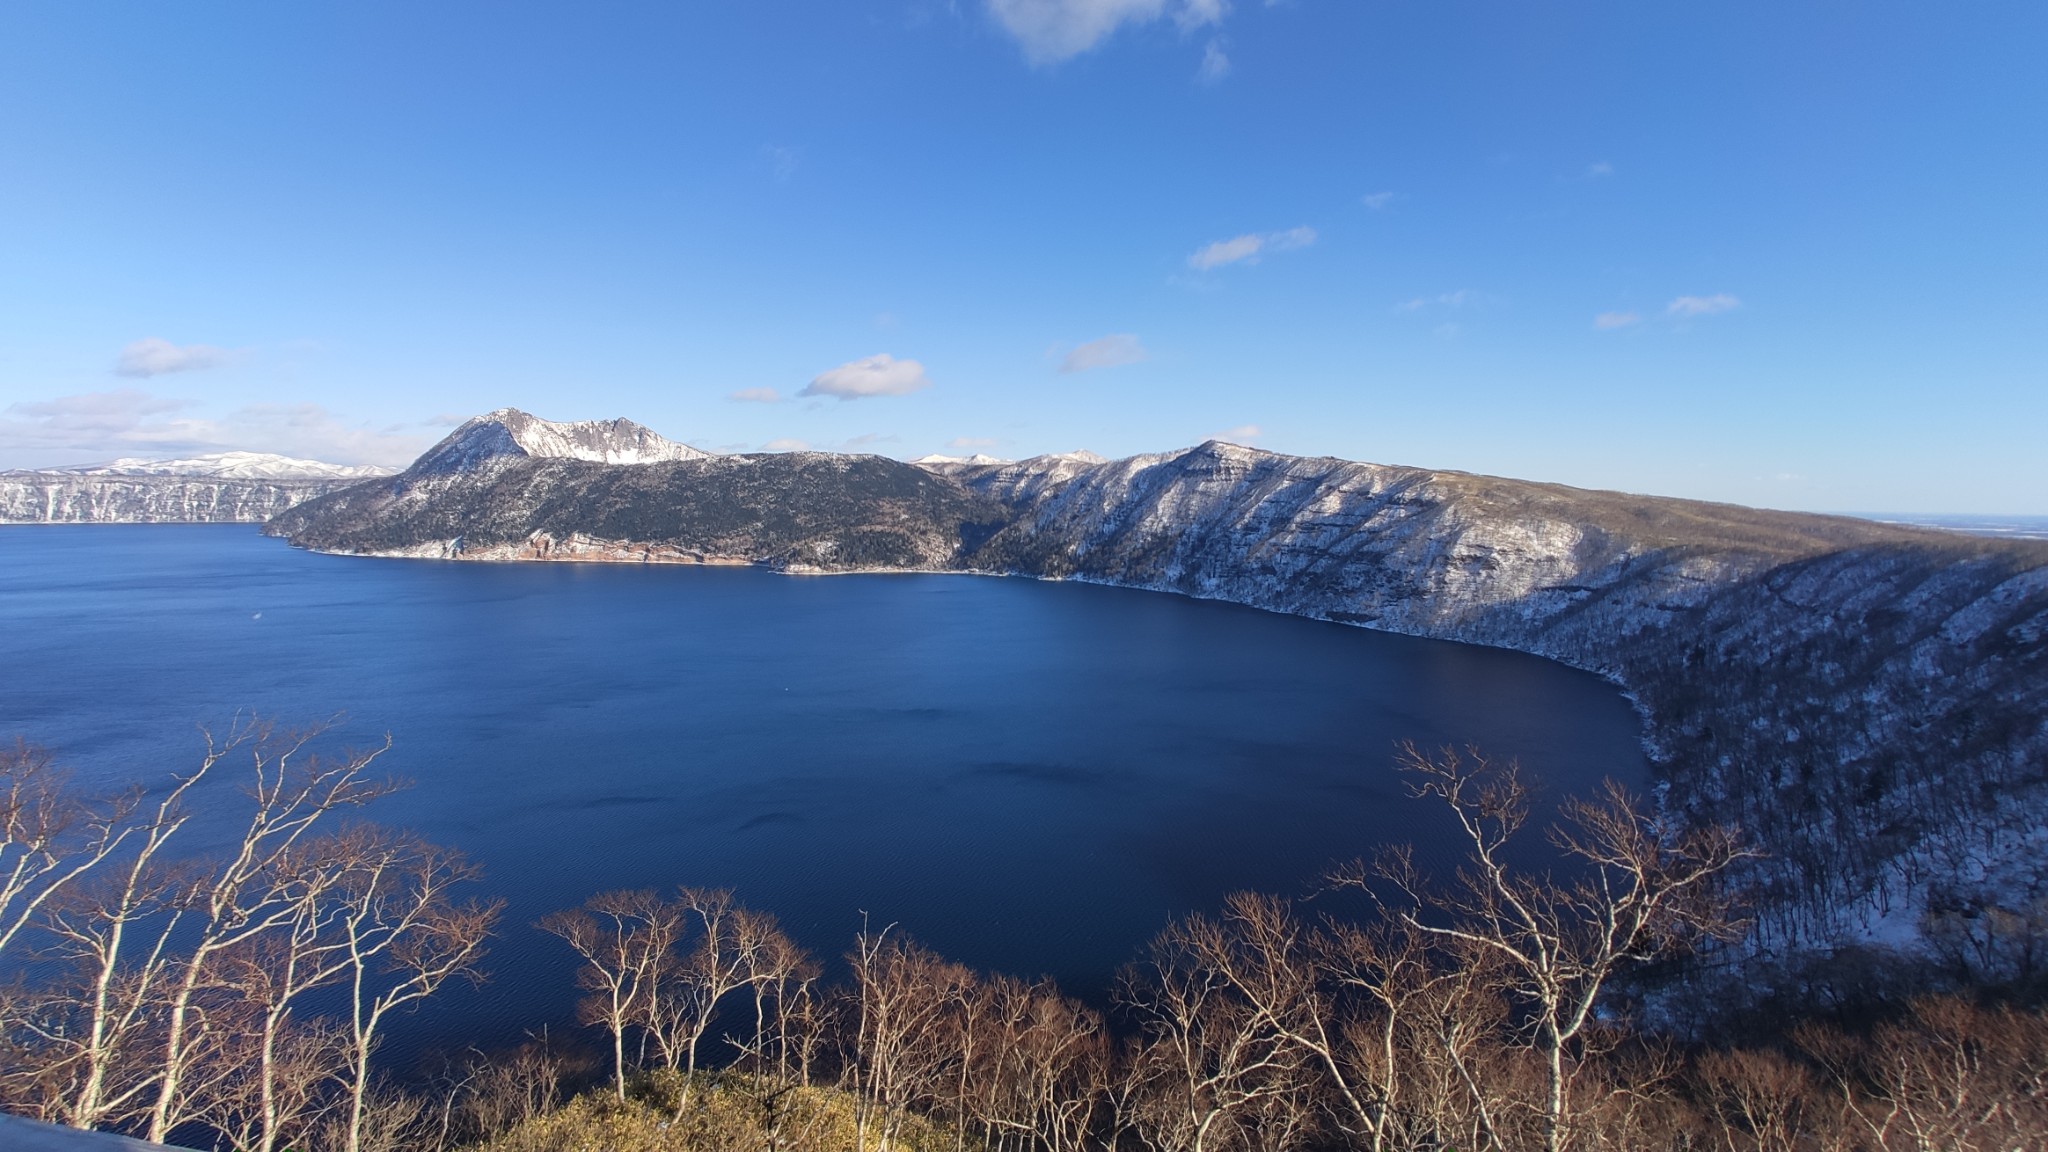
1869	701
232	487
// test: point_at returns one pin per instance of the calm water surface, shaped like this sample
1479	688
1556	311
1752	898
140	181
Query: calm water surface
1028	776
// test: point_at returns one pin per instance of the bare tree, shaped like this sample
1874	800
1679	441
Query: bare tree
722	961
900	994
779	976
1759	1100
49	837
1950	1076
625	939
405	936
297	1061
1212	1060
114	935
250	893
1640	888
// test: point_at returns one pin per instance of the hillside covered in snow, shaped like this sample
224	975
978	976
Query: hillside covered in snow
1868	701
221	487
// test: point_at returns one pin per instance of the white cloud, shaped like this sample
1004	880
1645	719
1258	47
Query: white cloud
1050	31
785	444
155	357
1454	299
1193	14
1215	64
1608	321
1250	247
867	438
1242	434
1599	169
1108	352
756	396
1703	305
312	432
971	443
1377	200
878	375
782	162
130	422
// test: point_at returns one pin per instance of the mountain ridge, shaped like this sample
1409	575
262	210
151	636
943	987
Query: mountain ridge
218	487
1869	700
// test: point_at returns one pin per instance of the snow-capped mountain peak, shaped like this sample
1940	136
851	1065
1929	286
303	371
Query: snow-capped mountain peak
510	432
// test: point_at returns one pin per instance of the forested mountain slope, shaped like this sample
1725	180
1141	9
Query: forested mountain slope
501	489
1870	702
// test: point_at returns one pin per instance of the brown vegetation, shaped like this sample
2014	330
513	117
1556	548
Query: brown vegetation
1473	1012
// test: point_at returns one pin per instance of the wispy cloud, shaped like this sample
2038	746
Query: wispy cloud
1687	306
1377	200
1249	248
785	444
877	375
131	422
1608	321
1108	352
756	396
1050	31
1599	170
1457	298
782	162
154	357
867	438
1215	63
1242	434
971	443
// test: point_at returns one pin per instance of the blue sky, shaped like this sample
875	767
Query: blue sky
1785	254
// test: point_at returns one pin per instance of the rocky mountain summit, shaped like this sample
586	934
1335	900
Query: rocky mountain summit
235	487
1868	701
510	486
509	434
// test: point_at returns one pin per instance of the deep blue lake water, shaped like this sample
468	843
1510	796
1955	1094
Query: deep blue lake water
1028	776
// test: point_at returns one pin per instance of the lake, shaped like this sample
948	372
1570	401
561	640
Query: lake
1028	776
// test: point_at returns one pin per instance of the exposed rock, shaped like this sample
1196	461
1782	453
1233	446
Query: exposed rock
509	434
1870	701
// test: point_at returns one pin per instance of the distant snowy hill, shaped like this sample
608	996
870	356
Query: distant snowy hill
230	466
220	487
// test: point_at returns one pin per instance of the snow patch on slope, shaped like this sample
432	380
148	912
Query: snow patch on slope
509	432
228	466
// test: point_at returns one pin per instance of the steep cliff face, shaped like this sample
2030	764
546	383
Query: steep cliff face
222	487
1869	701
